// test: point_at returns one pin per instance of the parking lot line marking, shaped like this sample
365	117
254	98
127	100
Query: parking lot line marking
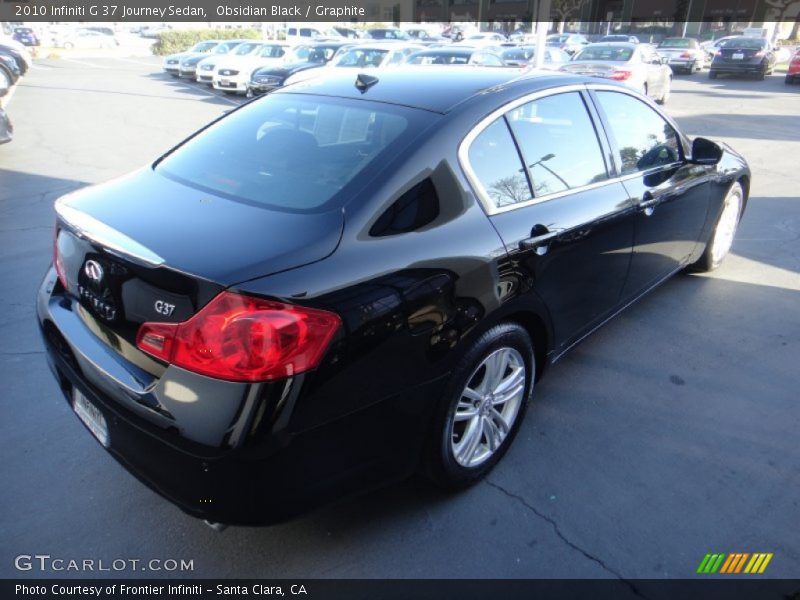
88	64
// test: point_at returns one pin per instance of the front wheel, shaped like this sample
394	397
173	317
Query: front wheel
482	408
722	237
665	92
712	74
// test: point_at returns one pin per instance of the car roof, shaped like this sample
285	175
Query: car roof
630	45
444	87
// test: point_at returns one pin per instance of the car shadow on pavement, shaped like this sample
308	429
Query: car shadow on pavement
756	127
199	90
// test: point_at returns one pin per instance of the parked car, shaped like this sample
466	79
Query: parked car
172	62
743	56
189	61
366	57
453	55
486	38
387	34
26	36
204	69
711	47
637	65
86	39
17	52
423	36
9	73
232	73
525	56
684	54
303	35
793	70
370	276
153	31
568	42
619	37
6	128
347	32
303	58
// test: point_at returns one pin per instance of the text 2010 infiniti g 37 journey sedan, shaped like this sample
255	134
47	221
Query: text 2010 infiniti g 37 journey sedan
350	279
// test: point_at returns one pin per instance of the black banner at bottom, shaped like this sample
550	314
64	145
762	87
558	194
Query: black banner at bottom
403	589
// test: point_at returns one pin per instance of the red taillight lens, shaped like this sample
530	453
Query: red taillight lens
759	54
718	53
57	262
620	75
241	338
686	55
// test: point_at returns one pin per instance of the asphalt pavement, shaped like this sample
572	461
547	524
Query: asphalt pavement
670	433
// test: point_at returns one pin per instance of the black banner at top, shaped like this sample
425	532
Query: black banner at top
166	11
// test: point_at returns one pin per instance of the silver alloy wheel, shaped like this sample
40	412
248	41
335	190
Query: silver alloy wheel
726	227
488	407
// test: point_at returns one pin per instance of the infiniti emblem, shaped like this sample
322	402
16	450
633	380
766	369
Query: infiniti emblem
93	270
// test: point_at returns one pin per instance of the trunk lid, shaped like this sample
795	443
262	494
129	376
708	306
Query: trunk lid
596	69
146	248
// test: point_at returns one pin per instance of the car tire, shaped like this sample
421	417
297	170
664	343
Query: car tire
721	239
712	74
788	80
6	81
665	94
644	89
471	429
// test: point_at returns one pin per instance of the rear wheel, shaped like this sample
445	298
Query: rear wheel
5	81
712	74
788	80
482	408
722	237
665	91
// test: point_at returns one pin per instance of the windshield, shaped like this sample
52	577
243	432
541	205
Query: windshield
272	51
439	58
224	48
203	46
371	57
675	43
605	53
744	42
294	152
246	48
519	53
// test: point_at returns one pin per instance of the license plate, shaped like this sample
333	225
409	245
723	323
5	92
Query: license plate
91	417
737	56
224	82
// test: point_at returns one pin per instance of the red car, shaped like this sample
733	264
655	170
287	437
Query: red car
793	73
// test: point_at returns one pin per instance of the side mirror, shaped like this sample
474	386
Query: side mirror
705	152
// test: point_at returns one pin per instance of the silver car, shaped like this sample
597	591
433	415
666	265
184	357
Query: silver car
684	54
637	65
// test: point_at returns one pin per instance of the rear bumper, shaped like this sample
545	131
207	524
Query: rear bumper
271	473
738	67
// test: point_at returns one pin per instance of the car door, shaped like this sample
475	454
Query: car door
541	171
655	70
671	195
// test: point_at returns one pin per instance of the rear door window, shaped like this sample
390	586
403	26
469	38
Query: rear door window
497	165
558	143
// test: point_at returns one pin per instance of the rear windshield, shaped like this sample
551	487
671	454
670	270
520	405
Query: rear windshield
744	42
605	53
439	58
294	152
676	43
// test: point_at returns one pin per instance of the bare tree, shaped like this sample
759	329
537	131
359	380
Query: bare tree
565	10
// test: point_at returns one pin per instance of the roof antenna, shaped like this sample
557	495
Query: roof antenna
364	82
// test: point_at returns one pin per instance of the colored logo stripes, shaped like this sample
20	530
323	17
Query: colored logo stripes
738	562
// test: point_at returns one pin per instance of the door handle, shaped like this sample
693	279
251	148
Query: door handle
540	241
648	203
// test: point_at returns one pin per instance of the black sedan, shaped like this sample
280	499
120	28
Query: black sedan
369	276
743	56
9	73
310	56
6	128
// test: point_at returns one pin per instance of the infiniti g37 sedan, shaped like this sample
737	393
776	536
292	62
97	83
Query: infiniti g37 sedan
350	279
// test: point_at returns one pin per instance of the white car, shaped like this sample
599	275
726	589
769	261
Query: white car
232	72
484	39
85	38
684	54
378	55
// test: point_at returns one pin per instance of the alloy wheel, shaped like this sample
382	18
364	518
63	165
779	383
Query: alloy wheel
488	407
726	227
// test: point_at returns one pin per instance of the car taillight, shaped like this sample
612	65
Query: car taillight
718	53
620	75
686	55
57	262
759	54
242	338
